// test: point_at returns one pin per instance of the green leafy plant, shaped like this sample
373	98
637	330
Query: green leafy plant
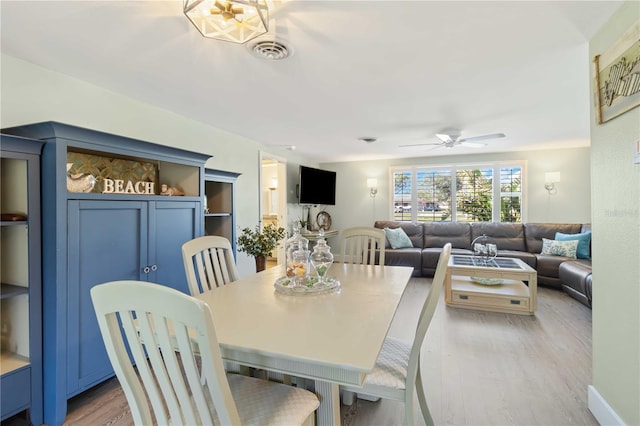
256	243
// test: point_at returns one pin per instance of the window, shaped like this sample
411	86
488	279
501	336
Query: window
434	194
465	193
511	194
402	195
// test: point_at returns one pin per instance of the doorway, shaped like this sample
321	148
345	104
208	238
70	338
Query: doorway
273	199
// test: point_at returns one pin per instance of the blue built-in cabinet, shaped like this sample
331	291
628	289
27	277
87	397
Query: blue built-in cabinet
220	201
20	279
93	237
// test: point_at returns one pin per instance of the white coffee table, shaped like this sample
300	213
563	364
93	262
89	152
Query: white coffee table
511	295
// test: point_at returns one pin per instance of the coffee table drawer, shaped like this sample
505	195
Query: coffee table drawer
490	301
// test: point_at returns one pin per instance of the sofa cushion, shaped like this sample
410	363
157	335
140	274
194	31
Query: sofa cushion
431	255
507	236
405	257
547	267
584	243
526	257
560	248
412	229
535	232
437	234
397	238
576	280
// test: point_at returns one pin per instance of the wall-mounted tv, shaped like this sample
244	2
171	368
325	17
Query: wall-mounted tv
316	186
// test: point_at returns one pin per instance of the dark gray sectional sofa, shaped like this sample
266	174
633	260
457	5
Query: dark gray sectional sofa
520	240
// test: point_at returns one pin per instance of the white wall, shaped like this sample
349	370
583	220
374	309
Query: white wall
33	94
616	250
571	204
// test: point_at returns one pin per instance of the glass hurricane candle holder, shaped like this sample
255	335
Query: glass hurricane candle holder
321	258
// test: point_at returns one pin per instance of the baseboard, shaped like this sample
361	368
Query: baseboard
601	410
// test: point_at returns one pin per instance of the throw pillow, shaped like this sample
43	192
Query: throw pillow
397	238
584	241
560	248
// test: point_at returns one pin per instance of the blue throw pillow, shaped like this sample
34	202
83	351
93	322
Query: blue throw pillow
584	241
397	238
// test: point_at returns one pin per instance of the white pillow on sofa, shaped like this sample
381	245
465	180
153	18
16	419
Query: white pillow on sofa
397	238
560	248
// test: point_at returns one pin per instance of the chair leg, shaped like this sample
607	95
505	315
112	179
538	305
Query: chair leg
408	408
422	399
348	398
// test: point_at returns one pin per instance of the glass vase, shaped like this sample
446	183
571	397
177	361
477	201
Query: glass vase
321	258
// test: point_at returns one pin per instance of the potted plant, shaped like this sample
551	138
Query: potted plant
260	244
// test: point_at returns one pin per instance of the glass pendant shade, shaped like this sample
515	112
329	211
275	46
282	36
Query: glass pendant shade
237	21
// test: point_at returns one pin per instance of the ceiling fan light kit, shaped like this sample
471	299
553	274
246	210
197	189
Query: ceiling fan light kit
236	21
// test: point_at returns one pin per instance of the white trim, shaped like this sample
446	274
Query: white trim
601	410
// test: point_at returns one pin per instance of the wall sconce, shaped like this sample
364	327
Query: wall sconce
372	184
550	180
274	184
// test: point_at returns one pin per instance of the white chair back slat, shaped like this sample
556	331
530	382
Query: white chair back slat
363	246
208	263
221	272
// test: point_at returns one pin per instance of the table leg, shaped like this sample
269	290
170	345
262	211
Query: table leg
447	287
533	292
329	409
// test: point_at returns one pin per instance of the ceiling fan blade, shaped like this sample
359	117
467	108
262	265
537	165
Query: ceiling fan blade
483	137
419	144
444	138
471	144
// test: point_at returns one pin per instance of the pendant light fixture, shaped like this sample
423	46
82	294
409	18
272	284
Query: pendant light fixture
237	21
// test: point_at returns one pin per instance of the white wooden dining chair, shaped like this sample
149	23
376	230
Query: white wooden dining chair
161	327
396	374
208	263
362	245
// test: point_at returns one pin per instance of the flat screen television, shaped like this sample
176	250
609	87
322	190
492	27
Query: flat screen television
316	186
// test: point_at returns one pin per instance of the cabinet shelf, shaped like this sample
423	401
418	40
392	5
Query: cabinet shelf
219	194
13	222
11	290
10	361
127	197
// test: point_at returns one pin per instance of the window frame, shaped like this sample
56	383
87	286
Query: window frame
453	168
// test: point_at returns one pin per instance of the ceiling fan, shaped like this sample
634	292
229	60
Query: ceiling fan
452	138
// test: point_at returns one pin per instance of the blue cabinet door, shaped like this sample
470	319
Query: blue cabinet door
118	240
172	224
107	241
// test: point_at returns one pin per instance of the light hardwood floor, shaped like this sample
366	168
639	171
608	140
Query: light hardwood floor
480	368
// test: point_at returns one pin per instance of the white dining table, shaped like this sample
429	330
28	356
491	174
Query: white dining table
332	338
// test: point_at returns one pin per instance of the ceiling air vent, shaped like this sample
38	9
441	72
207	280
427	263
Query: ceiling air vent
272	50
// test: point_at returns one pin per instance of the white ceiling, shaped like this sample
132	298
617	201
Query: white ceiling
398	71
